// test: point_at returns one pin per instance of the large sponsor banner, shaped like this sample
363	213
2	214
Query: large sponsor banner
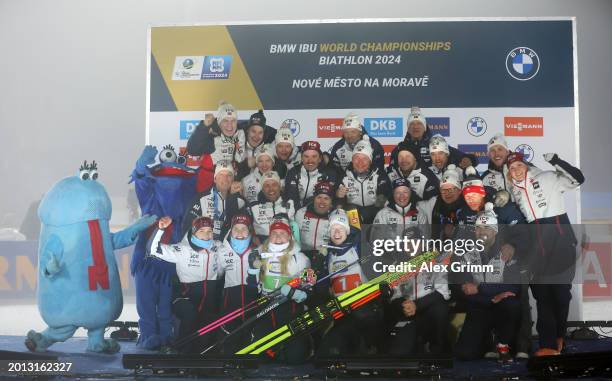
471	78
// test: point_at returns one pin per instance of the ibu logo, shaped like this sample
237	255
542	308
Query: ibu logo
384	127
216	67
187	127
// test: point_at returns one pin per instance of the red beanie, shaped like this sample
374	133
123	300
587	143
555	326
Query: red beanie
311	145
514	157
280	225
241	219
201	222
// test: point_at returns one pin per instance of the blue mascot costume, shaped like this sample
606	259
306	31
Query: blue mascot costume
165	189
78	281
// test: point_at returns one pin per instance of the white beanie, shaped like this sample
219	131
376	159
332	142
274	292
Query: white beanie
284	135
473	182
270	175
487	217
224	166
352	120
451	176
339	217
416	115
364	147
497	140
438	144
264	150
226	111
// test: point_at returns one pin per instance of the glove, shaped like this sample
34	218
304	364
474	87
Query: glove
148	155
53	266
501	198
551	157
296	295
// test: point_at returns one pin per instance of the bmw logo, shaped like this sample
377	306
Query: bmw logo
522	63
293	125
188	63
477	126
526	150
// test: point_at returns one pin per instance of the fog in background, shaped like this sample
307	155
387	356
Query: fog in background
73	77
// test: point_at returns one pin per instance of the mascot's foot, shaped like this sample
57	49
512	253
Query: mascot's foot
108	346
36	342
151	343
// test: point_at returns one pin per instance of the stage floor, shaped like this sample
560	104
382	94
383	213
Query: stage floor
109	367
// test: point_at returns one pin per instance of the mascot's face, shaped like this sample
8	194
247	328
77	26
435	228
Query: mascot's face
76	199
173	168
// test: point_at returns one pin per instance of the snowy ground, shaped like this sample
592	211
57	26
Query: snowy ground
18	319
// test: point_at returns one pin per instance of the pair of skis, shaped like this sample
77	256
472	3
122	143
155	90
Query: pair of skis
265	303
338	307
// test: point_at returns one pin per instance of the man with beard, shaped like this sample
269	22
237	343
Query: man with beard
302	178
363	185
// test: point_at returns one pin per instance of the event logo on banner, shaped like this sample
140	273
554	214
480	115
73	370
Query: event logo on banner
523	126
217	67
478	150
522	63
526	150
597	270
329	127
388	148
186	128
476	126
201	67
440	126
187	68
293	126
384	127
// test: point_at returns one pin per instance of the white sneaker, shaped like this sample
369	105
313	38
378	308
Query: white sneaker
521	355
491	355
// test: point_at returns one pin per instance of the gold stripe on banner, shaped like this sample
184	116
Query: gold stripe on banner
167	43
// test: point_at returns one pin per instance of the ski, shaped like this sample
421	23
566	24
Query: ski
267	303
338	307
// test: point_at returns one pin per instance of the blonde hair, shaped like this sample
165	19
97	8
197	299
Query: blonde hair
284	259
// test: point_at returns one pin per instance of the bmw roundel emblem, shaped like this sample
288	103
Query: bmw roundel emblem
522	63
293	125
526	150
477	126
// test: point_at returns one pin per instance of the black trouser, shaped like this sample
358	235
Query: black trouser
350	334
292	351
195	306
553	263
553	302
504	318
234	298
429	325
523	341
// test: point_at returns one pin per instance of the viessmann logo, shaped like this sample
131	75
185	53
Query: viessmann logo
329	127
523	126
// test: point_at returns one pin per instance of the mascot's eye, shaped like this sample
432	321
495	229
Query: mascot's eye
181	159
93	174
84	175
167	156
